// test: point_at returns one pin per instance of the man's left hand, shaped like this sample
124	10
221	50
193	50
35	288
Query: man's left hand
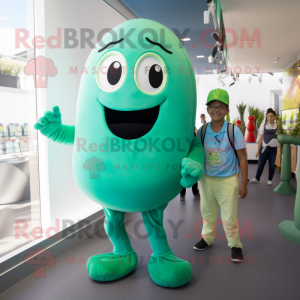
243	191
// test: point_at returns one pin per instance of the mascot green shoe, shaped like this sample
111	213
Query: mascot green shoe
169	271
109	266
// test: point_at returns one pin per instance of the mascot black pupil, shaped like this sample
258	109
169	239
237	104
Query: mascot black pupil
155	76
114	73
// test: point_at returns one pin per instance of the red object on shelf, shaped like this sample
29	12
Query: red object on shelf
250	130
238	123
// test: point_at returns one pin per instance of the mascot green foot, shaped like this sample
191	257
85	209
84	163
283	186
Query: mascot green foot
169	271
110	266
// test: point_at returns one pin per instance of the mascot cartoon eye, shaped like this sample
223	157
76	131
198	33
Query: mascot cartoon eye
111	71
150	73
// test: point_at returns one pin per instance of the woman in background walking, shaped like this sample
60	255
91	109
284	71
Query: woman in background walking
267	147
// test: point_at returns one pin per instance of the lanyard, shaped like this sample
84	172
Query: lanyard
216	143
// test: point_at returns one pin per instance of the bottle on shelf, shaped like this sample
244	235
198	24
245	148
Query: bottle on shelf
9	147
12	129
16	145
23	145
25	129
18	130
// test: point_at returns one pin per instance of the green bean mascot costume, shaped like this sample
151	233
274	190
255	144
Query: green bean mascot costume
133	140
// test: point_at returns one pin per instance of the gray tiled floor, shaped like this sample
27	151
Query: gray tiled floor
269	271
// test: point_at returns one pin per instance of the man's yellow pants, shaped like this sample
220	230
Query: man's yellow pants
223	192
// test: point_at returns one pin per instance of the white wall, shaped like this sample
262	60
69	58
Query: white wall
66	200
250	93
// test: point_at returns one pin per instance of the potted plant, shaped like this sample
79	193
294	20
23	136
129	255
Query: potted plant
9	72
228	118
284	119
241	109
292	119
260	119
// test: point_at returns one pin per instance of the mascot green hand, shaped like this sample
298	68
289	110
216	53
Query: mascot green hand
191	172
134	146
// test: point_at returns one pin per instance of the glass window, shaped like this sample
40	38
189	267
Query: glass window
19	177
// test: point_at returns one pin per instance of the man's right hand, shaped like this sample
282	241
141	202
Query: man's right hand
50	123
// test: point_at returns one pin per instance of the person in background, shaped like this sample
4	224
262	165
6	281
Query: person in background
202	117
195	186
267	147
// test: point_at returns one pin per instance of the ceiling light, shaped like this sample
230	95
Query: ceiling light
186	39
200	56
275	62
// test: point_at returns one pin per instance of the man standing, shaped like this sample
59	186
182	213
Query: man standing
219	184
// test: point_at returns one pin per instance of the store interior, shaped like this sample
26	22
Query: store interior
254	56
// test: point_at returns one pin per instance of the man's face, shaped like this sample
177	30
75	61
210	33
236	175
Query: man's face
202	119
217	110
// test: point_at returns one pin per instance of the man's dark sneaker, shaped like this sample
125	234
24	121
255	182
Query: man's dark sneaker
201	245
236	255
182	198
197	196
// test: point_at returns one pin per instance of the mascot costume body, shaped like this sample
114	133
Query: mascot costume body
134	147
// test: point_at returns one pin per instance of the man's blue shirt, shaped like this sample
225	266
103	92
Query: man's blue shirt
220	159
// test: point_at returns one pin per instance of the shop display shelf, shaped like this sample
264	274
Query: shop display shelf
15	155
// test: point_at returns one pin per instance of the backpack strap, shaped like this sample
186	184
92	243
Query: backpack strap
230	133
203	132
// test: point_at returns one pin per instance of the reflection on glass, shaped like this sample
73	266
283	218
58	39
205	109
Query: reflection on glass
19	178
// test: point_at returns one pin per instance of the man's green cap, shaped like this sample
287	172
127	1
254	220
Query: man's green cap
218	94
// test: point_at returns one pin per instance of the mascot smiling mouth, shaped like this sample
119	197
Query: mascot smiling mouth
133	124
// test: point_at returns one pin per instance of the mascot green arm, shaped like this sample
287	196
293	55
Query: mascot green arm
51	127
192	166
